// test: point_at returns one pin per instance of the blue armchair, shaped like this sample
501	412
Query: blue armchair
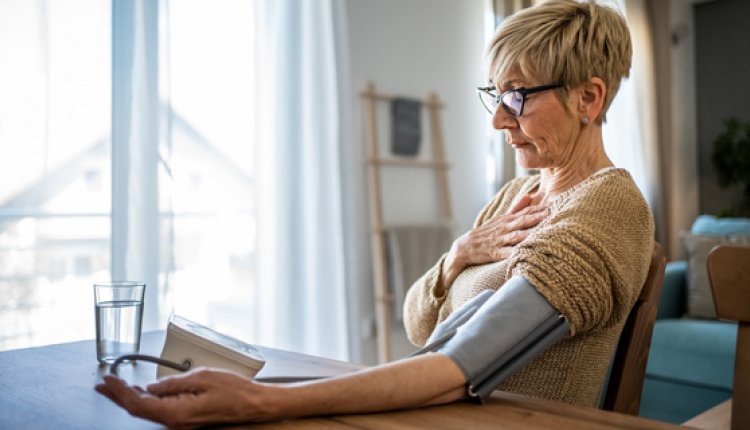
691	361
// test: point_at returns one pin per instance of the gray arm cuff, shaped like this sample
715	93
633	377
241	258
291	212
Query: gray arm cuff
496	334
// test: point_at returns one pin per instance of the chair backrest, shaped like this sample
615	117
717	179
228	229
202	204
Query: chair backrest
729	274
628	370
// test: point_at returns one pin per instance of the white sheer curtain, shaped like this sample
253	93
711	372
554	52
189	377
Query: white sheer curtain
298	297
301	297
630	133
135	145
55	200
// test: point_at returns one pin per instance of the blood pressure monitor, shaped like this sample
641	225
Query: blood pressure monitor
191	344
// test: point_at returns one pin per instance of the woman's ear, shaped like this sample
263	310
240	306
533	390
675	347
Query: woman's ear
591	99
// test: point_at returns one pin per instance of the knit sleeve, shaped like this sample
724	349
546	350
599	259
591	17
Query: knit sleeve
422	305
590	257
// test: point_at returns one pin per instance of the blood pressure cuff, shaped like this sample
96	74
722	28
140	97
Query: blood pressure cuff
495	334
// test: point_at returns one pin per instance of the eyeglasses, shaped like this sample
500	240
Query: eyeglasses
512	100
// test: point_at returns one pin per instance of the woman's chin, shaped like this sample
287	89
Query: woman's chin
529	163
528	157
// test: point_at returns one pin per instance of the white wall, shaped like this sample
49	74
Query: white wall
412	48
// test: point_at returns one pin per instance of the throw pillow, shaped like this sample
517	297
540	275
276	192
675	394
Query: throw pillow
700	301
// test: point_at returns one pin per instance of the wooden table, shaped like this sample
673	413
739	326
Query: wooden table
52	387
717	418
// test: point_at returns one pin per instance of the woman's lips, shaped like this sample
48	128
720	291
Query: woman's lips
517	145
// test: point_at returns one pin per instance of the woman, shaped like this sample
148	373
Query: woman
579	231
579	235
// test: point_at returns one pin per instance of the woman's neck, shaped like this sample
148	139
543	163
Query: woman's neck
589	158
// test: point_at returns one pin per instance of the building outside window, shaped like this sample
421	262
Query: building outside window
56	165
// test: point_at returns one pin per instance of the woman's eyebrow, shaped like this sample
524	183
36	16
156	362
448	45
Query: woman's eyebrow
510	82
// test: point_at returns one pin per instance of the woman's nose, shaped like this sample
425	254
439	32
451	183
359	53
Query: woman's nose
502	120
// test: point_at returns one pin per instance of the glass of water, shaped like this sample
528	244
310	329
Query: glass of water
119	313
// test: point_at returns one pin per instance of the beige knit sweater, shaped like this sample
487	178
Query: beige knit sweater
589	259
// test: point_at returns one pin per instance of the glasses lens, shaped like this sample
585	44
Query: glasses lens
513	102
489	101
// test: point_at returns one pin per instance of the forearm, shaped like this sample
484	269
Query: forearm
414	382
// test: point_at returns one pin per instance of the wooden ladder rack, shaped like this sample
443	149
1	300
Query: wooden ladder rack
383	298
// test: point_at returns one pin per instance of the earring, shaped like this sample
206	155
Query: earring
585	120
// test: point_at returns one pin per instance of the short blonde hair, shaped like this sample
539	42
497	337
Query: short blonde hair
564	41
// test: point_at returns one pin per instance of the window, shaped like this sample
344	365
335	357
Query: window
54	167
207	77
56	157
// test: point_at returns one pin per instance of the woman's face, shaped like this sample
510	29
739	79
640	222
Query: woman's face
544	135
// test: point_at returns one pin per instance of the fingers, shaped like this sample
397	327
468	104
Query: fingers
142	404
532	210
515	212
492	240
522	203
523	219
526	221
104	390
514	237
182	383
503	253
119	392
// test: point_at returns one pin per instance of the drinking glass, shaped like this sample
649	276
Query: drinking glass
119	314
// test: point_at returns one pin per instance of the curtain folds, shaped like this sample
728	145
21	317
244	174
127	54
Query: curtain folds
300	301
135	143
632	135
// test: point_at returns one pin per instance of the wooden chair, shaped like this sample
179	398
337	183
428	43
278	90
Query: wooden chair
623	393
729	274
